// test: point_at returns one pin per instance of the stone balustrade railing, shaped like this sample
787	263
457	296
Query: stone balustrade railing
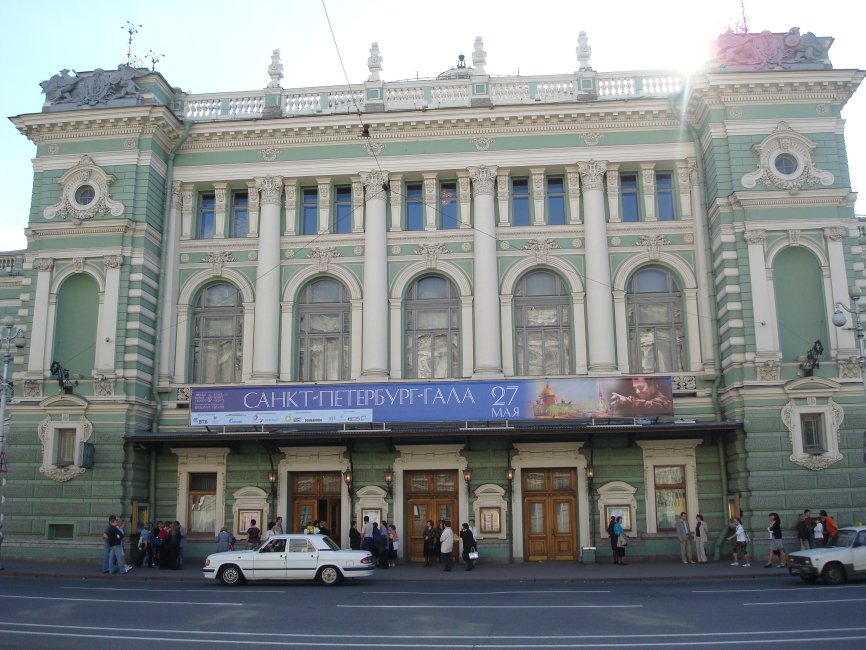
428	94
11	264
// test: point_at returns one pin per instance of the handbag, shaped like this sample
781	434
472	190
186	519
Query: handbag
622	540
473	555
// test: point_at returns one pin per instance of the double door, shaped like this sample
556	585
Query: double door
549	514
430	495
316	498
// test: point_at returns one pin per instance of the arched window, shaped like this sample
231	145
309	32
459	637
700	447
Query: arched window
543	327
800	315
217	342
432	329
323	331
655	322
76	324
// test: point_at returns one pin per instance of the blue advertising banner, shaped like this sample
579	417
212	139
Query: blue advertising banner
446	401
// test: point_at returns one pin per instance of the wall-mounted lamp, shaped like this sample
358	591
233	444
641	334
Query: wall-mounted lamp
590	472
509	474
389	481
347	479
272	479
467	477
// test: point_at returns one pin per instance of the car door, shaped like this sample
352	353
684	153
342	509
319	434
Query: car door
858	551
269	562
302	559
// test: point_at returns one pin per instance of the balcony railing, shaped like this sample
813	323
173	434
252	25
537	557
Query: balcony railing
11	263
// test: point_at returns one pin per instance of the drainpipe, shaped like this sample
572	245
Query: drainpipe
151	485
169	179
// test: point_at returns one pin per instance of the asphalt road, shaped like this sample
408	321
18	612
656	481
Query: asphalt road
762	613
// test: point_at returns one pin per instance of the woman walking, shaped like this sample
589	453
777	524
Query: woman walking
774	530
621	541
468	543
393	545
613	539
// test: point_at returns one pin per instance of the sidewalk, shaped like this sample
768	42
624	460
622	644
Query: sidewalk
521	572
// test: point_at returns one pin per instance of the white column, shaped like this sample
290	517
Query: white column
702	262
599	304
839	289
357	339
503	195
219	190
267	309
36	366
169	289
694	361
573	178
487	333
106	342
538	195
766	343
374	363
620	316
324	204
683	185
648	182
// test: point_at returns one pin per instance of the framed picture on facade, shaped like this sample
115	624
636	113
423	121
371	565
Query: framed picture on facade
375	515
245	520
619	511
491	522
139	516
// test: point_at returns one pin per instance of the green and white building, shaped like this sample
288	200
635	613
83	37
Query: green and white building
581	227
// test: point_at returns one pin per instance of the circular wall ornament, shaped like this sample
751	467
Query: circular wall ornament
577	242
466	246
395	250
359	250
504	245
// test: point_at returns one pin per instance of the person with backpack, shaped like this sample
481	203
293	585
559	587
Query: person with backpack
741	543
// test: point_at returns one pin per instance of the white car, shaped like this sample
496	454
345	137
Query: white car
844	556
290	557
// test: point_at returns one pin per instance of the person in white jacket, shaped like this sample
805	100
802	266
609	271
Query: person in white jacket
702	536
446	545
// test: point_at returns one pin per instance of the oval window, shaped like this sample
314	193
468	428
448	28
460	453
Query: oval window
84	195
786	164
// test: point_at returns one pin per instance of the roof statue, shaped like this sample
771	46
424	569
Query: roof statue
374	63
769	51
584	51
92	88
479	56
275	70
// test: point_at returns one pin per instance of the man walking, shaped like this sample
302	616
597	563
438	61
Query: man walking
446	545
367	535
684	535
106	547
115	542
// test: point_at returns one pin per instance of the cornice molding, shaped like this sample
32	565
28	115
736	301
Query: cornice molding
97	123
783	199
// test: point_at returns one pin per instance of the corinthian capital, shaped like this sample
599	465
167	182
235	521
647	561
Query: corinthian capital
755	236
43	263
374	184
113	261
271	187
592	174
483	179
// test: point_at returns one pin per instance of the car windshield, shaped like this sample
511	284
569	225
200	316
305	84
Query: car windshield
843	538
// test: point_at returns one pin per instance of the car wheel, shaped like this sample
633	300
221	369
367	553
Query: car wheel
230	575
329	575
809	579
833	574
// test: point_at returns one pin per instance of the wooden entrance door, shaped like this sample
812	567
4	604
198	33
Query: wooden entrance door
317	498
549	514
429	495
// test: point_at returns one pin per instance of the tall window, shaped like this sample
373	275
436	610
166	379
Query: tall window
217	336
65	447
448	205
414	206
670	491
202	503
555	201
432	336
655	321
520	202
240	217
812	426
543	329
343	209
309	211
207	216
629	196
665	197
323	346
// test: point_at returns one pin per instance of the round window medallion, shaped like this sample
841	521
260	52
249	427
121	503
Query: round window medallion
786	164
84	195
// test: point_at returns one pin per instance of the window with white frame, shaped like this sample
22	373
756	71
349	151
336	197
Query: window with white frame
207	215
629	197
542	325
240	215
61	444
814	432
448	217
201	513
323	332
309	211
201	499
670	468
414	206
432	329
555	201
654	307
520	212
217	343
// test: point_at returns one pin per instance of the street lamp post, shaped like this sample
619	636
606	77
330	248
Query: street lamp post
839	320
9	336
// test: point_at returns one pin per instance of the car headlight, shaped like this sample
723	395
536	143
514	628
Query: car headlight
207	562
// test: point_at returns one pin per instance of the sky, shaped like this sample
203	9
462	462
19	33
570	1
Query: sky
223	45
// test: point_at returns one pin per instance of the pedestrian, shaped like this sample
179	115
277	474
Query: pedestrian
741	544
702	536
468	545
446	545
393	545
810	521
354	537
254	535
431	543
774	530
621	541
803	532
439	528
159	535
172	546
224	540
367	534
611	533
115	541
181	530
270	532
818	532
380	546
279	526
145	546
684	535
829	526
323	528
106	547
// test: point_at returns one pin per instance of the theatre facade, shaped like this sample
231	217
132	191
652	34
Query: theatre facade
531	302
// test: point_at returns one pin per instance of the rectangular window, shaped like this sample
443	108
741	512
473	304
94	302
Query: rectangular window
343	209
414	206
207	216
448	206
202	503
555	201
309	211
240	214
520	202
670	488
629	196
65	449
61	531
665	197
812	426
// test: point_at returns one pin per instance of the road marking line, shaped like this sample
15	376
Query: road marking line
175	591
481	593
809	602
116	600
790	588
427	606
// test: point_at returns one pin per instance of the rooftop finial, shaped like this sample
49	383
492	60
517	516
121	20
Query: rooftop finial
275	70
461	61
374	63
479	56
584	51
131	29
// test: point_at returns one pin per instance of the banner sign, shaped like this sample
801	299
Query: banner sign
445	401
